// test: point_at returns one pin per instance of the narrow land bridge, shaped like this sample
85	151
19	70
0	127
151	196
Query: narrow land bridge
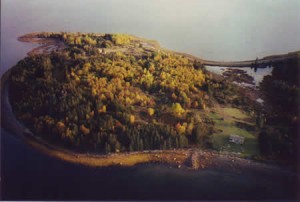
258	63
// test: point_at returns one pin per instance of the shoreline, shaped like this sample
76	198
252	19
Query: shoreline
178	158
46	45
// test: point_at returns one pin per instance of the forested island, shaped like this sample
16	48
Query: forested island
116	93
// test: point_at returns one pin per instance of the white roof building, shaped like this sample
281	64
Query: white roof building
236	139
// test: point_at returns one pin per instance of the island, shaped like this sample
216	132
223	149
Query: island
118	99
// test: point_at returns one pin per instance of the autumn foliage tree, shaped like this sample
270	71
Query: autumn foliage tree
107	102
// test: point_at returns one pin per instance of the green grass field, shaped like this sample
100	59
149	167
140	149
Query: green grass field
226	120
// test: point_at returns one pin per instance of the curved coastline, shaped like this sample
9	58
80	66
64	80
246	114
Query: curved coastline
11	124
178	158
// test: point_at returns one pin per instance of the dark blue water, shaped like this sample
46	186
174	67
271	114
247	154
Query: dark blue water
30	175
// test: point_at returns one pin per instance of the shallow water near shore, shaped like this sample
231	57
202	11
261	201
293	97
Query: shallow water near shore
257	76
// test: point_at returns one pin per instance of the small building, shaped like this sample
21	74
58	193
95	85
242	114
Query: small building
236	139
101	51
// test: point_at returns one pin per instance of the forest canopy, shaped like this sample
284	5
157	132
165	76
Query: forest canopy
107	93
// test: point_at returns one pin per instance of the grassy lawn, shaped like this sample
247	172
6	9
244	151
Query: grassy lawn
225	120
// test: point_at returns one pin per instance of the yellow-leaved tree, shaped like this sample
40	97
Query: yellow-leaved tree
150	111
177	109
